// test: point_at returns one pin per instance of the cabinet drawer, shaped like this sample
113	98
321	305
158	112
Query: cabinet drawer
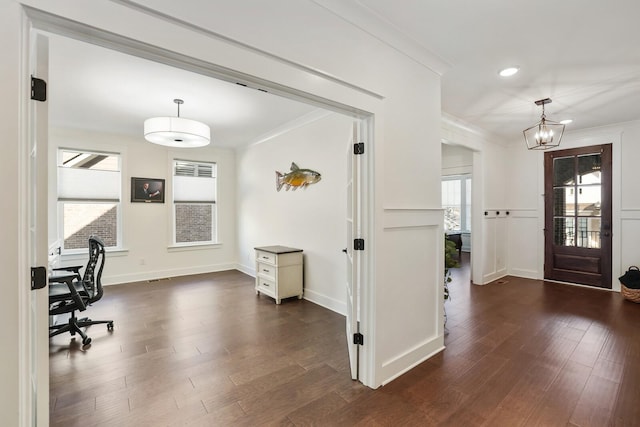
266	286
267	270
266	257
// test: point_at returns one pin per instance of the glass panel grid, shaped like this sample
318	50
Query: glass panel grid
577	202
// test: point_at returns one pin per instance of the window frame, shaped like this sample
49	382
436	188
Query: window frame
214	205
60	204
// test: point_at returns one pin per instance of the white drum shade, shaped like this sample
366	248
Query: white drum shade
176	132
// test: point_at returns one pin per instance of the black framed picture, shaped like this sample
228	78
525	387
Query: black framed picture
147	190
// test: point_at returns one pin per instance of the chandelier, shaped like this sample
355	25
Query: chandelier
543	135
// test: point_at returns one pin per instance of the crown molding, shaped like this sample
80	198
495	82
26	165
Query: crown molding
362	17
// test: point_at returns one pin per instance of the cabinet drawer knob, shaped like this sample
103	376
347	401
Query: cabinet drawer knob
265	284
265	270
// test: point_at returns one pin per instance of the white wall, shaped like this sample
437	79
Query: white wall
489	256
147	227
494	213
313	218
13	228
402	302
625	240
512	180
526	198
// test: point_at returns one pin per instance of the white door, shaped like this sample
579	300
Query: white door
37	330
354	210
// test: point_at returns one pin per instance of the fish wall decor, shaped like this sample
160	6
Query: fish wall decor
296	178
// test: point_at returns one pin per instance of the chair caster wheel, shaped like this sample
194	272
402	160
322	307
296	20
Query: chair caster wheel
110	326
86	341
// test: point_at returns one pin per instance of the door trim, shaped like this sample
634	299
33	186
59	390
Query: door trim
42	21
580	254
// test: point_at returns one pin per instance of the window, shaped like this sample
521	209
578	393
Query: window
194	201
88	198
456	201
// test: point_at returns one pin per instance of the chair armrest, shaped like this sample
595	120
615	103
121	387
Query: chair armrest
73	292
72	268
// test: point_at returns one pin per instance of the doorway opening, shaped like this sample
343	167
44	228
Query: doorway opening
457	197
171	58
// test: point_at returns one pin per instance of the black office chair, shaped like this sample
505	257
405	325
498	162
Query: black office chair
69	291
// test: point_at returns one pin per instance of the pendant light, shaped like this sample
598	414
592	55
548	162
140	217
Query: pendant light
176	131
545	134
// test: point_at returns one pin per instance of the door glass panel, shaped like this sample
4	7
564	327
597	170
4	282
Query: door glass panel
588	235
564	201
564	231
563	171
589	169
589	200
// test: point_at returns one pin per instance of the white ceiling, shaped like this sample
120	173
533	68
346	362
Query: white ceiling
584	54
98	89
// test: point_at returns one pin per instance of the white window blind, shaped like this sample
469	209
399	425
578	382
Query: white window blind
194	182
84	175
88	184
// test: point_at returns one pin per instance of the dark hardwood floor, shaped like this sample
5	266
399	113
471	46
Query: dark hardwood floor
204	350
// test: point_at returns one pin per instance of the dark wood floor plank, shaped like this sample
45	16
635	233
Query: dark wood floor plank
204	350
596	403
560	400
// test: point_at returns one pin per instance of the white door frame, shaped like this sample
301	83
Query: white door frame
33	319
43	21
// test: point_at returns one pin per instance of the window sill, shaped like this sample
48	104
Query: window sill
194	247
82	255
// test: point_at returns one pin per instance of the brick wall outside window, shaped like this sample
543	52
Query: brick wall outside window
82	220
194	223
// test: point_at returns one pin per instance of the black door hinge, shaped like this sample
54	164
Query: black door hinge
38	278
358	244
38	89
358	148
358	338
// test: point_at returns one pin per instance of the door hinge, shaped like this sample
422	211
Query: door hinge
38	89
358	148
38	277
358	244
358	338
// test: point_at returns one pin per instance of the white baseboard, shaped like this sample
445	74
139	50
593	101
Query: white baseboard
163	274
251	271
493	276
310	295
527	274
332	304
408	360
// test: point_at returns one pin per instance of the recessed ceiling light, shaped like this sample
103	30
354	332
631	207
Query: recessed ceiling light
566	121
509	71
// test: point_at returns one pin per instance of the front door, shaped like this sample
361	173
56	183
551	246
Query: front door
578	215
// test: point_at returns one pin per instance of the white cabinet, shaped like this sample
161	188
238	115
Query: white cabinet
279	272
